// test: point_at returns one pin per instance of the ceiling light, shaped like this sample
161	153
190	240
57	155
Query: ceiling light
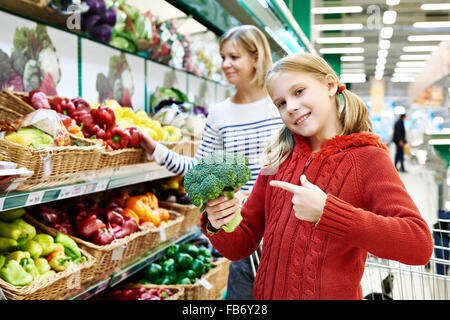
392	2
341	50
411	64
383	53
385	44
432	24
327	10
389	17
404	74
386	32
407	70
352	58
263	3
419	48
414	57
432	37
435	6
353	77
381	60
340	40
349	26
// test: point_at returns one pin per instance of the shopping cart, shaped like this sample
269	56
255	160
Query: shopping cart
391	280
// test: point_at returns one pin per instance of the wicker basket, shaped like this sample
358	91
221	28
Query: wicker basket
37	9
58	286
13	99
196	291
222	278
184	147
123	157
178	293
190	212
108	258
168	231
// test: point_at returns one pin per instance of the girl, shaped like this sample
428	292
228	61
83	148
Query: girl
327	195
241	124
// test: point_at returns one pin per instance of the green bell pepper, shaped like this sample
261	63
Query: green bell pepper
28	230
206	261
172	250
187	274
47	243
28	265
13	273
144	281
12	214
202	251
9	230
184	281
168	267
42	265
198	267
18	256
58	261
33	248
8	244
71	248
183	261
152	272
2	261
189	248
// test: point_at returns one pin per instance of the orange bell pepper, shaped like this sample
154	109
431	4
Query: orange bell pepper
153	200
139	204
127	212
122	200
164	214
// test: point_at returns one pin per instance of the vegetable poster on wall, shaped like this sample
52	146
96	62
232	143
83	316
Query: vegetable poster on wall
35	57
161	76
111	74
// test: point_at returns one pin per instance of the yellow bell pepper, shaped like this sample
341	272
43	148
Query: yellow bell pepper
94	105
151	133
125	123
171	133
156	126
128	113
113	104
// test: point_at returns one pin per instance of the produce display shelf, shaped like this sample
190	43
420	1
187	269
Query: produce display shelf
141	262
94	182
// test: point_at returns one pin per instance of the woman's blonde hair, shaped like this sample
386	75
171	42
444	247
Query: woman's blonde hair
354	115
254	42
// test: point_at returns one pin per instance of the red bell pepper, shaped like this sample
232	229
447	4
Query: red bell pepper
117	137
38	100
102	237
87	227
104	117
63	105
135	137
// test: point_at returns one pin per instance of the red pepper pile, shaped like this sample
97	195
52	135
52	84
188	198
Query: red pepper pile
139	294
85	219
97	123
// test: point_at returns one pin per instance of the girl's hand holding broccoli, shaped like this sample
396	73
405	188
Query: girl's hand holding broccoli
221	210
308	200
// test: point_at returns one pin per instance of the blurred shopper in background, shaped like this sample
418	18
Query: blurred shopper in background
241	123
399	139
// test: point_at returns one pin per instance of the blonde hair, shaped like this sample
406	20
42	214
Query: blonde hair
253	40
354	116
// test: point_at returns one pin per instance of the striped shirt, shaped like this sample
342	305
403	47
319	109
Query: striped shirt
241	128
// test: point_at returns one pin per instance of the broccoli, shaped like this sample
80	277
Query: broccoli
217	174
5	67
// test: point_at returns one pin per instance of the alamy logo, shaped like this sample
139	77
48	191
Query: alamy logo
74	20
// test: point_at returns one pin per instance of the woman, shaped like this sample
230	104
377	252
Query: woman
241	123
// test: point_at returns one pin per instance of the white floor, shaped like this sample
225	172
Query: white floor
412	282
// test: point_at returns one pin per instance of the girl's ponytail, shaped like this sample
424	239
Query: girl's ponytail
354	116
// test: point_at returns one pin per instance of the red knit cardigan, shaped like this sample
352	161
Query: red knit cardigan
367	209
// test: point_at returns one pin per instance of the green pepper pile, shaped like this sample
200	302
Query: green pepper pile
27	257
180	264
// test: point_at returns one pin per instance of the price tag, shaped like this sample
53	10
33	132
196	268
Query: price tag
162	232
88	188
65	193
101	185
77	190
117	253
2	201
205	283
34	198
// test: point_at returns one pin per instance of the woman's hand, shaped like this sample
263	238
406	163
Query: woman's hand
308	200
221	210
147	143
